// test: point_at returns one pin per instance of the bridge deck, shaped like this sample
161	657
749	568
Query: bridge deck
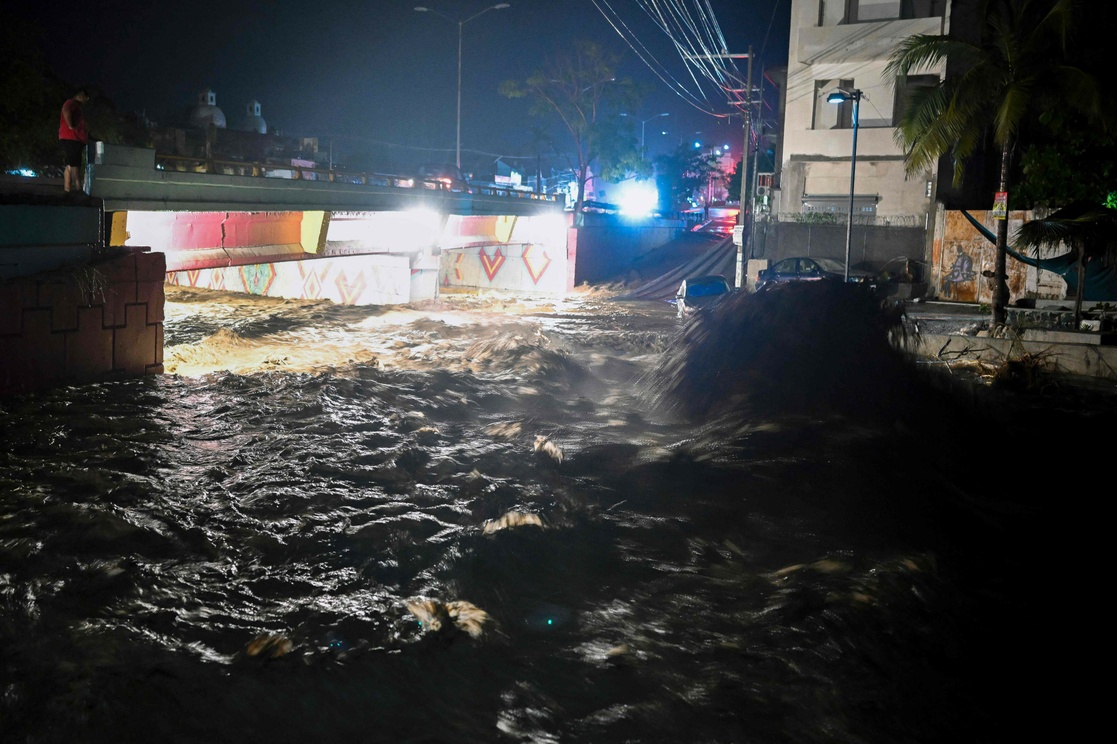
129	178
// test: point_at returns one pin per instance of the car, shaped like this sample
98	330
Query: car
700	293
806	269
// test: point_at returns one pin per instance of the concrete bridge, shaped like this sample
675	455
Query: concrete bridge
82	282
310	233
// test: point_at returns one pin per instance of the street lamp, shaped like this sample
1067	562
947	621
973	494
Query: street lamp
645	122
421	9
842	95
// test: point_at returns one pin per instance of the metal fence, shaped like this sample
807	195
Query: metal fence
216	166
841	218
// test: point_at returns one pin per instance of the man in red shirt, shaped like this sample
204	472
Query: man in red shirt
73	136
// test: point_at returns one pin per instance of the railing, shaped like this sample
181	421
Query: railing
840	218
187	164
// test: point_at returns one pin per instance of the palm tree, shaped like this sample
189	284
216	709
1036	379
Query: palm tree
1090	230
992	83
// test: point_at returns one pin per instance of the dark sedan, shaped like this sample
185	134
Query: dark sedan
700	292
803	269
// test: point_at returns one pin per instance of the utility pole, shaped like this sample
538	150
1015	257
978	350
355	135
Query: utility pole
745	223
739	279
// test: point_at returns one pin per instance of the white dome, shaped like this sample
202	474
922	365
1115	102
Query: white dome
207	112
252	121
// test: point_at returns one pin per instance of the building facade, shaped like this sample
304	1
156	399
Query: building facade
845	44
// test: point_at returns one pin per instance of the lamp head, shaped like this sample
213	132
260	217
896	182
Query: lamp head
841	95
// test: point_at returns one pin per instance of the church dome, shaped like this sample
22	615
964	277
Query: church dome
207	112
252	121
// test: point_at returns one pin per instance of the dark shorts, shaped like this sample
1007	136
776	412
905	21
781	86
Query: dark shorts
72	150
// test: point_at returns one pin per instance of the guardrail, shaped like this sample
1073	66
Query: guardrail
187	164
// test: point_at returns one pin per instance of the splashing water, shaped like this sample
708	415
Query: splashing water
765	525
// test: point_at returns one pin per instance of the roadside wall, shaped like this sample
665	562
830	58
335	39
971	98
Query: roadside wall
876	248
1088	360
959	255
102	321
509	268
607	244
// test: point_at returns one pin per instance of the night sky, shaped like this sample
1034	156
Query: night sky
372	73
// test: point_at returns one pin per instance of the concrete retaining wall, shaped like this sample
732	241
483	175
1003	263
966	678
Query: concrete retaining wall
1086	359
607	244
511	268
103	321
347	280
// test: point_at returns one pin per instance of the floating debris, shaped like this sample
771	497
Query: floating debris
543	445
511	519
458	615
269	647
504	429
468	617
824	566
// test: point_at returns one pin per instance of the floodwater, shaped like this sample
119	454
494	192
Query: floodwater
513	520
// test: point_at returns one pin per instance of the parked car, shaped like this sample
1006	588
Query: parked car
700	293
803	269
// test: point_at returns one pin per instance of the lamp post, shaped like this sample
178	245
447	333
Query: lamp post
842	95
422	9
645	121
643	124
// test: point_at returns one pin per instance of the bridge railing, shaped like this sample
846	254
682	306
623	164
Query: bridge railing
188	164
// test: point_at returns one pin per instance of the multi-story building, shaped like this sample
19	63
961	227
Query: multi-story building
845	45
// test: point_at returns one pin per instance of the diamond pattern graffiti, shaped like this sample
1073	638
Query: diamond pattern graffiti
536	265
491	264
257	278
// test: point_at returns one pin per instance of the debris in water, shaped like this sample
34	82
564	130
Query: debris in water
504	429
459	615
546	447
824	566
511	519
269	647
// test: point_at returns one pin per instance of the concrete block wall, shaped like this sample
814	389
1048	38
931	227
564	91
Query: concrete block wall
103	321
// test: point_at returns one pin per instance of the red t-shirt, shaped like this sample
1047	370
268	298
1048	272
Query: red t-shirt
77	132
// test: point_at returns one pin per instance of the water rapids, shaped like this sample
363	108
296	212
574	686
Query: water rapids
502	519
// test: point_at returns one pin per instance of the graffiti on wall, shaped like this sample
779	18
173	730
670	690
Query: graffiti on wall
960	271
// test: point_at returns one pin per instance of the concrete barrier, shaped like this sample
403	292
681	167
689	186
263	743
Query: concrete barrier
97	322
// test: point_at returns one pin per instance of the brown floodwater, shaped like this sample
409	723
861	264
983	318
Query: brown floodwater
498	518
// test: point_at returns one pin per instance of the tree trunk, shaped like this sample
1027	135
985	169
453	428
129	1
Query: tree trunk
1081	285
1000	282
581	197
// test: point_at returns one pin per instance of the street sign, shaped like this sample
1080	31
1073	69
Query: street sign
1000	206
738	235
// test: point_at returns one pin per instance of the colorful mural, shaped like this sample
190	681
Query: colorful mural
962	259
347	280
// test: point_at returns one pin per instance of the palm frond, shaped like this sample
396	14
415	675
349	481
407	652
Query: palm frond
924	51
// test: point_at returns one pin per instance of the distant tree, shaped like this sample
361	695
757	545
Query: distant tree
31	102
1069	162
683	173
994	83
582	90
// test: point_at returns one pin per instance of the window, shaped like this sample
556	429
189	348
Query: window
904	91
831	115
866	11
